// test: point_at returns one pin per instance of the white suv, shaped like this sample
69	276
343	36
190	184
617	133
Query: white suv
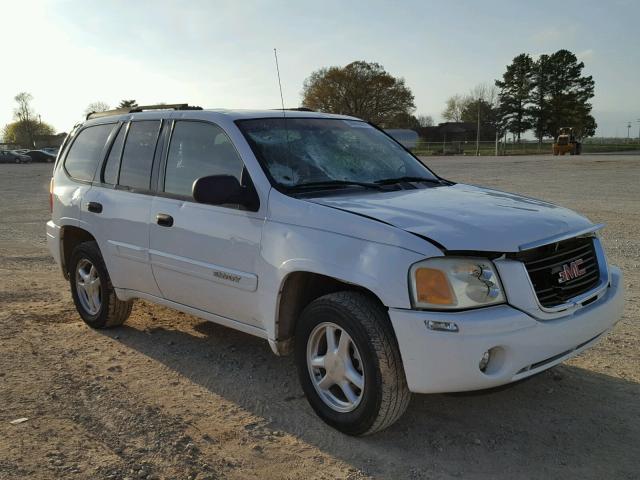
324	236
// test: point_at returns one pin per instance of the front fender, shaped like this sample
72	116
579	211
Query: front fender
381	269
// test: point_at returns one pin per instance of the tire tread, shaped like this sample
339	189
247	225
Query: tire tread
373	318
117	311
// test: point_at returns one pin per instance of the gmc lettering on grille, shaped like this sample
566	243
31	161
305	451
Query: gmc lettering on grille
571	270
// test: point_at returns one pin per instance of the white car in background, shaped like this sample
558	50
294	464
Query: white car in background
324	236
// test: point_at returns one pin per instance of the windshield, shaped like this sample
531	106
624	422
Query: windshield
299	151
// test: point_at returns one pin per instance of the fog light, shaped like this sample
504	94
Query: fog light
484	361
441	326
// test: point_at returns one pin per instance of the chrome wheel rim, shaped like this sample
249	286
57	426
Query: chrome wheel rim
88	286
335	367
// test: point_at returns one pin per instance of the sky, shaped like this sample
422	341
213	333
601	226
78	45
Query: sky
219	54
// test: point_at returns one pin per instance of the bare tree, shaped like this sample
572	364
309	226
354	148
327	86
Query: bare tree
23	112
425	120
455	108
481	107
96	107
25	115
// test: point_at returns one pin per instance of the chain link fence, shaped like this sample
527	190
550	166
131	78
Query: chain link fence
512	148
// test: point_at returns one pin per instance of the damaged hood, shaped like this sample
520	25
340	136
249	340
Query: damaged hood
464	217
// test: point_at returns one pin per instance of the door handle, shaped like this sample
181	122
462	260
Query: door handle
94	207
164	220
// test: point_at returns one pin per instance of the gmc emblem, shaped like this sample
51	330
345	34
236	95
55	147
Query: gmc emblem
571	270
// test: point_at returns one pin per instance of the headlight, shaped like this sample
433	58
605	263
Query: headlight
446	283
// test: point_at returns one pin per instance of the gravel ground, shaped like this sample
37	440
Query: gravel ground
172	396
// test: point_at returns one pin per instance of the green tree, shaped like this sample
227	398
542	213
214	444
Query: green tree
127	104
403	120
27	125
480	107
25	132
569	95
561	94
539	109
361	89
516	88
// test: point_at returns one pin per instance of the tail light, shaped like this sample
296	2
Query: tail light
51	195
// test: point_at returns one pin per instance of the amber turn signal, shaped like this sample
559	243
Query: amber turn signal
432	286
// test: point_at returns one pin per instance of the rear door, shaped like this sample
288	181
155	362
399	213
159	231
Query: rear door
121	203
73	179
204	256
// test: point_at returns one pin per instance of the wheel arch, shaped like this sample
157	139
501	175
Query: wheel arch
70	237
297	290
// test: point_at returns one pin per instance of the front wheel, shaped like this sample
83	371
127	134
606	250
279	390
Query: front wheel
349	363
92	291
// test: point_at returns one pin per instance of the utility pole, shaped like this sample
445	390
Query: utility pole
628	132
478	133
638	130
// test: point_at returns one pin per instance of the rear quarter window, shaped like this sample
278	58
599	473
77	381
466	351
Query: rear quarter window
86	152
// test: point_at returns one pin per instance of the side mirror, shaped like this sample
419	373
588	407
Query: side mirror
221	190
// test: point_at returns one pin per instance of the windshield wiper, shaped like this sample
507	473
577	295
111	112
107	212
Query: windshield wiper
334	183
390	181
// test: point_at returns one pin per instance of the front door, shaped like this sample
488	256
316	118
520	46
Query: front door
204	256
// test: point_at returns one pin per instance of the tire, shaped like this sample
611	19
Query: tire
373	352
107	311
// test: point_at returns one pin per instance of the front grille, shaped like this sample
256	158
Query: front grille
545	264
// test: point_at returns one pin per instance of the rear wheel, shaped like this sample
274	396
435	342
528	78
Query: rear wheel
92	291
349	363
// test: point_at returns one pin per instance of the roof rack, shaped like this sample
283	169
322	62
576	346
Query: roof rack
142	108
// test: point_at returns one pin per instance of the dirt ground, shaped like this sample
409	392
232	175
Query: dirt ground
172	396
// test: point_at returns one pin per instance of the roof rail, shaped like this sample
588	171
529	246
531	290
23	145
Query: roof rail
142	108
296	109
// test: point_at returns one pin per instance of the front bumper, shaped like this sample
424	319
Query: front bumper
436	362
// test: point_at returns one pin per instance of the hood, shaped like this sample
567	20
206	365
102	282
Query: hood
464	217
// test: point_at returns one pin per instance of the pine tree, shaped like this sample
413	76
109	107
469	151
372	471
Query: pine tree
540	97
569	95
515	94
560	96
127	104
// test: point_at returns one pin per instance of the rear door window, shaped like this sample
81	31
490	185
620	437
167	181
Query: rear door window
137	158
87	152
110	173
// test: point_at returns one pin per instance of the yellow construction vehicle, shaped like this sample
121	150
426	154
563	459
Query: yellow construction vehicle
567	142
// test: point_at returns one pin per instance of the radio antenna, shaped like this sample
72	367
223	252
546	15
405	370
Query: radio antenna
275	54
284	114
